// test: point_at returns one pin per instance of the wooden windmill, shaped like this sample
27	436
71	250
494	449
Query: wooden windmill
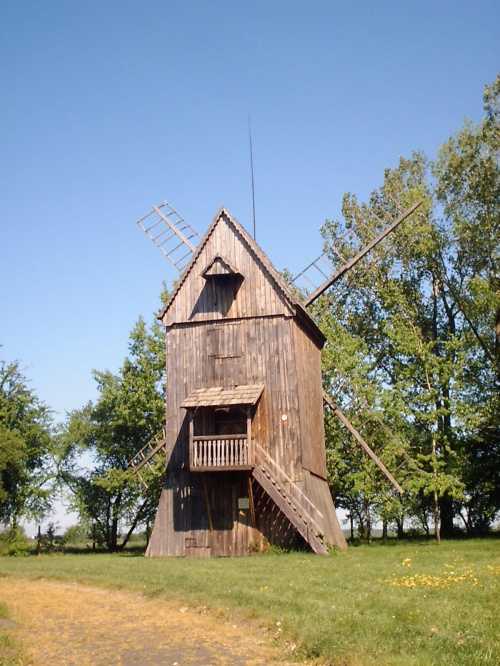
244	434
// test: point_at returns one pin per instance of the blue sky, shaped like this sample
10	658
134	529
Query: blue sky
110	107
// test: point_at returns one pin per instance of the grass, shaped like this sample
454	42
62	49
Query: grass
401	603
10	649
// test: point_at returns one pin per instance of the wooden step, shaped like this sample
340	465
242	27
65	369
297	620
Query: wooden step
304	525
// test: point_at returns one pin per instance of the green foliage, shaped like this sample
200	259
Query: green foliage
129	411
76	534
27	449
418	333
14	543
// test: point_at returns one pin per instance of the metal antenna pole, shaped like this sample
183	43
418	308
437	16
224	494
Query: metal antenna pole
251	168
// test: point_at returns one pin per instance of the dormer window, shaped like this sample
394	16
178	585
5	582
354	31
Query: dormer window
223	280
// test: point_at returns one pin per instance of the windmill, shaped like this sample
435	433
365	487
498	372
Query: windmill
243	441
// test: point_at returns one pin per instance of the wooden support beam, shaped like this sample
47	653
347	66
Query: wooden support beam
174	229
345	421
252	505
349	264
207	502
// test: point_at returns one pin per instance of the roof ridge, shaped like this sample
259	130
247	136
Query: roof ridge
288	294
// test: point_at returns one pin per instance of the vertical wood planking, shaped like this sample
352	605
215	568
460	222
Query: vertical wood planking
249	336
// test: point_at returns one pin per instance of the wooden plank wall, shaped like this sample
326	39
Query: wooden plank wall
245	335
310	400
318	491
273	526
256	296
183	526
266	358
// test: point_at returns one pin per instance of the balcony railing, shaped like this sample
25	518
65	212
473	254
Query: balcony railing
221	452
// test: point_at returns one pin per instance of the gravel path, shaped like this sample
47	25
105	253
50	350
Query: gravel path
69	623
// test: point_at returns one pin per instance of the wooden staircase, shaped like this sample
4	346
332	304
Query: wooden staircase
147	453
290	499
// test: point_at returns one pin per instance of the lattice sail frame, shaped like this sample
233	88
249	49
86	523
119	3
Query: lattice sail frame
332	265
171	234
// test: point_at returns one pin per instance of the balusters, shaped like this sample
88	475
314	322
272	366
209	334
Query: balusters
229	451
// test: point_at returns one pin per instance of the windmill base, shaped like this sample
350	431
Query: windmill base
221	515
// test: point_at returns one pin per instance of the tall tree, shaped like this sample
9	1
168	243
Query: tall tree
129	411
27	447
467	174
426	314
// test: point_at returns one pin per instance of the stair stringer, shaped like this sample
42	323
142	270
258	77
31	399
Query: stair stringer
299	517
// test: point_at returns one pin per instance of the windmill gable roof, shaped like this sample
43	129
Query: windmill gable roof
226	246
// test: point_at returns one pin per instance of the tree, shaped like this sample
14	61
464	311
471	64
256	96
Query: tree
426	318
467	174
129	411
27	446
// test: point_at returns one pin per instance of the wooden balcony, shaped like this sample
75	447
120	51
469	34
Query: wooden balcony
221	453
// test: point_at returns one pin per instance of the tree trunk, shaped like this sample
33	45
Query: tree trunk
436	518
136	520
497	345
114	523
446	512
368	523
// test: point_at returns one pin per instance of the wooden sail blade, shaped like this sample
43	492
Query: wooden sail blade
349	426
171	234
346	266
147	456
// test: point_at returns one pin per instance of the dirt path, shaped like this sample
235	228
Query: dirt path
69	623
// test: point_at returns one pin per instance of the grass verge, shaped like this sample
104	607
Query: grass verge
404	603
10	648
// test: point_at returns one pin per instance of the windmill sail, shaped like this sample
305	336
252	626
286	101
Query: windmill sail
357	436
322	268
178	241
358	419
367	427
171	234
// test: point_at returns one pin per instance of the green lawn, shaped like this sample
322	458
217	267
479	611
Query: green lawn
400	603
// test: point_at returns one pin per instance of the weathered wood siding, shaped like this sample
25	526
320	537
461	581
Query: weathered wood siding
318	491
185	528
243	329
266	358
307	359
256	295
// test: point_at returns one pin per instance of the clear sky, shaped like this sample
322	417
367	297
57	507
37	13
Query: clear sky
109	107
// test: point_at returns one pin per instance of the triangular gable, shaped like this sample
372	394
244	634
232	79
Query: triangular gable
291	302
